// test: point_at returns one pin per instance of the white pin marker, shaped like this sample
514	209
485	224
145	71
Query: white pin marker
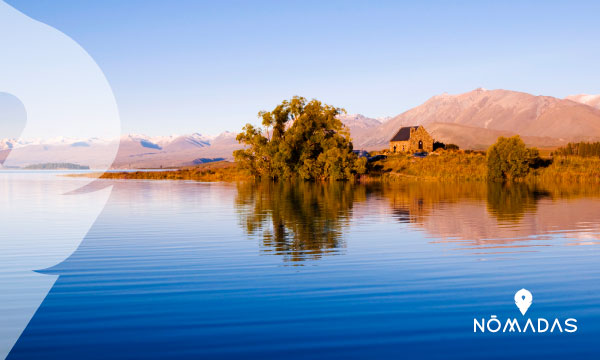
523	299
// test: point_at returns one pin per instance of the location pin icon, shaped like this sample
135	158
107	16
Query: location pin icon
523	299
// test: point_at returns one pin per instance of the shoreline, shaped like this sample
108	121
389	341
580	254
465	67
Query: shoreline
445	167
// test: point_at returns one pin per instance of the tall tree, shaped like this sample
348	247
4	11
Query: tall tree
299	139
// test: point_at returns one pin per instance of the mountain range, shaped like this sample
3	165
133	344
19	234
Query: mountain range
475	119
135	151
472	120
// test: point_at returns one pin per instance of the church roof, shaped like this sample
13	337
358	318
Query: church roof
404	133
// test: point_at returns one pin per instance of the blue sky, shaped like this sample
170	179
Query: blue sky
185	66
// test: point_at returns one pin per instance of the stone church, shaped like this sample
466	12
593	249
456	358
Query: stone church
411	139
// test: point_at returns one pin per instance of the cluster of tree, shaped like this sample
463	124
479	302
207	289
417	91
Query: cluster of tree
441	145
509	159
299	139
584	149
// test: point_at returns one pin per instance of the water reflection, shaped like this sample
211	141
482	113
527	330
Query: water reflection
306	221
516	218
168	272
510	202
298	220
412	202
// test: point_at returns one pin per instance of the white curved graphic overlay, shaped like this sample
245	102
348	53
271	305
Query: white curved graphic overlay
66	98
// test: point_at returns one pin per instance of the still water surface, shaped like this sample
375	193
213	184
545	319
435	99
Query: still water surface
296	271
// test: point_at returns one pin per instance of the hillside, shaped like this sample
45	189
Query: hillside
476	138
359	125
544	120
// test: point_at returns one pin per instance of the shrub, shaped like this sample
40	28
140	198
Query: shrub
509	159
438	145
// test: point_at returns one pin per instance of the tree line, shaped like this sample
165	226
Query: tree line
584	149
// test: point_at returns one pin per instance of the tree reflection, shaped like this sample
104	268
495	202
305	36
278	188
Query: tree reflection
411	202
306	220
299	220
491	216
510	202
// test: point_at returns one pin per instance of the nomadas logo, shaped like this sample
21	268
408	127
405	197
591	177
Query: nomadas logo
523	300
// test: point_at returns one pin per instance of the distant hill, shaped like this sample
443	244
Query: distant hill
359	125
358	121
57	166
147	152
473	119
591	100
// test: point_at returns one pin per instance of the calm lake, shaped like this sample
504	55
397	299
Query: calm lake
308	271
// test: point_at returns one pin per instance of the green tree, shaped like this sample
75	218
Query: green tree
582	149
299	139
509	159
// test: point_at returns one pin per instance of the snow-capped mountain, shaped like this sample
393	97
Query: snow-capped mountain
358	121
591	100
6	144
135	150
13	143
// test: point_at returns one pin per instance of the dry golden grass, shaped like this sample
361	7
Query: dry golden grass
448	166
546	153
569	170
217	171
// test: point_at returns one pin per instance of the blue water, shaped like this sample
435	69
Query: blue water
223	271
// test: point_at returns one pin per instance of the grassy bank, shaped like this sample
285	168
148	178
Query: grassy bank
445	166
568	170
217	171
472	166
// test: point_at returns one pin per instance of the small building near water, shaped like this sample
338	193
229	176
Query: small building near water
411	139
